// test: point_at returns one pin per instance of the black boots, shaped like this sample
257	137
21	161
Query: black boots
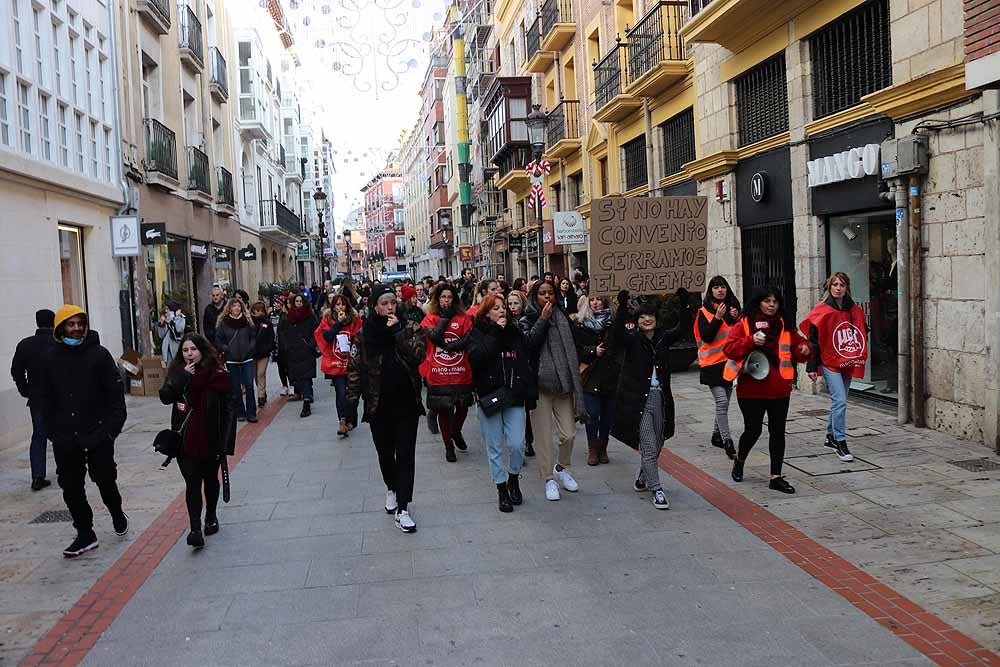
306	408
730	448
738	470
717	440
196	539
211	526
449	452
529	450
505	504
780	484
460	442
514	489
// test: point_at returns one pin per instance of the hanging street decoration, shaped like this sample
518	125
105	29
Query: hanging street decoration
537	171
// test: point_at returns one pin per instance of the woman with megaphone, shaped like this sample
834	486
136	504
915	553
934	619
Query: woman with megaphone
763	349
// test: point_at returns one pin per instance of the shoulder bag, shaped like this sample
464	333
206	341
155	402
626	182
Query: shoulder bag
500	398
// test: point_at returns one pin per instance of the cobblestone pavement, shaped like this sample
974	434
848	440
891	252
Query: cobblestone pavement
308	568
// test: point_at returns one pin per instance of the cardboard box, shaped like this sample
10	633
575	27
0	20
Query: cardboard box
153	375
136	386
131	363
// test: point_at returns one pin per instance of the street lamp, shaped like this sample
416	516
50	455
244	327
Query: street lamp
413	257
319	198
536	122
350	258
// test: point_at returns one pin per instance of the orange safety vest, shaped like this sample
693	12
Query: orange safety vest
785	366
710	354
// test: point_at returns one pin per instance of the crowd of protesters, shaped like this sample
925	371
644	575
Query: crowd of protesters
534	358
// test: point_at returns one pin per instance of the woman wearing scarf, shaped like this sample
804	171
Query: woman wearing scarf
644	381
446	366
297	345
838	332
236	339
599	373
517	302
765	329
549	341
719	312
334	335
197	387
383	370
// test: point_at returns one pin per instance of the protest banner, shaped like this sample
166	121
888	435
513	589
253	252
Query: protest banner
648	245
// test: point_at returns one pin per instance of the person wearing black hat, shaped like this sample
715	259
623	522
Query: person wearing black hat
26	369
83	398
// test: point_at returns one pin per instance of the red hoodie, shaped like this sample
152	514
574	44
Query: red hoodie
739	345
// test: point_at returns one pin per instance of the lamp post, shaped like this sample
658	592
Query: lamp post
536	122
350	258
413	259
319	198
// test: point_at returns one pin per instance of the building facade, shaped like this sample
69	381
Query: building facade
385	241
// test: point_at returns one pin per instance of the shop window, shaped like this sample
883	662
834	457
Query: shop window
678	141
71	266
167	275
851	58
762	101
634	163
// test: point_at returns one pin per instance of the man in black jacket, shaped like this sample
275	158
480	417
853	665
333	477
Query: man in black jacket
211	314
83	402
26	369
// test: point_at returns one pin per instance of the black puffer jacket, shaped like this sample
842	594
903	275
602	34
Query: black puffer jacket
364	368
28	364
297	346
602	379
499	358
83	396
265	343
235	339
640	355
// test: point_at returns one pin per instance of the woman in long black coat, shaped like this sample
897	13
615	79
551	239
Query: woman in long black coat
297	345
644	408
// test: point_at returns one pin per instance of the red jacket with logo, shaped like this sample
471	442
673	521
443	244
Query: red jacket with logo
441	367
840	335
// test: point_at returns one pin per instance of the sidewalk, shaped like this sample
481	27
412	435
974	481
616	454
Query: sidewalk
308	569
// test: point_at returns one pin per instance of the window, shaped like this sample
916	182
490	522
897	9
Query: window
43	126
102	72
18	45
851	58
602	169
39	68
93	150
71	266
575	190
73	39
556	198
63	136
24	116
107	154
88	62
79	144
57	57
678	141
634	163
4	118
762	101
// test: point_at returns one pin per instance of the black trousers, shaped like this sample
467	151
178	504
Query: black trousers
753	410
73	463
395	439
199	474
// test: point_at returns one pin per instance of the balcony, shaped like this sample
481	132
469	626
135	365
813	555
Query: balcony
161	154
562	135
199	186
736	24
225	201
218	82
613	105
281	157
252	125
536	61
192	50
510	168
156	13
294	169
657	55
278	223
491	202
558	27
505	137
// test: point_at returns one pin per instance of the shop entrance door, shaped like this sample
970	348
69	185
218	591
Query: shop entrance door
864	247
769	259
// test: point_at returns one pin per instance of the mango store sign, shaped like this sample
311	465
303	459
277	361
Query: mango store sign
648	245
843	166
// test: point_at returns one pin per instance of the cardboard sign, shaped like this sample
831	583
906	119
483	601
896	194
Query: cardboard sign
648	245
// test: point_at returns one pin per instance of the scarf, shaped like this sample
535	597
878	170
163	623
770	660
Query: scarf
296	315
600	321
236	322
558	365
771	326
379	338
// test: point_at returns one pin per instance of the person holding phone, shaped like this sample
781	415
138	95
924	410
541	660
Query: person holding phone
170	328
236	340
334	335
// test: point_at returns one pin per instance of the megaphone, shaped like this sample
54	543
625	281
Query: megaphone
756	365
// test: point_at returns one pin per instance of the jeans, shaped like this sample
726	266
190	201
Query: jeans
507	424
753	410
343	409
305	389
73	463
837	384
396	443
198	473
242	378
601	410
722	395
39	444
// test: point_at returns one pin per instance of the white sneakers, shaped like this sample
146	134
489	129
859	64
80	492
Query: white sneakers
551	490
405	522
660	501
390	502
566	479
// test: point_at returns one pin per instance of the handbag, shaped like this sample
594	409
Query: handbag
585	369
500	398
168	441
317	353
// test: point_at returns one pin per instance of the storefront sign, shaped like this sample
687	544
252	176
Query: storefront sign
758	187
249	253
223	254
845	165
648	245
531	244
199	249
570	228
302	250
465	253
515	244
125	236
153	233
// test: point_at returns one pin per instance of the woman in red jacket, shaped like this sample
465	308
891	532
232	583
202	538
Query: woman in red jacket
334	336
765	328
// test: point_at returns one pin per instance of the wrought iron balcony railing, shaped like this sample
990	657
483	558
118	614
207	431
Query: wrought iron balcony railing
161	148
655	38
218	73
609	74
226	195
532	39
190	33
274	213
555	11
198	171
563	122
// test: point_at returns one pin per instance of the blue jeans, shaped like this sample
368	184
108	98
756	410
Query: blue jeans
39	444
241	376
508	424
601	410
838	385
340	388
305	389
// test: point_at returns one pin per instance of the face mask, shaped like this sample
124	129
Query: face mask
72	342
